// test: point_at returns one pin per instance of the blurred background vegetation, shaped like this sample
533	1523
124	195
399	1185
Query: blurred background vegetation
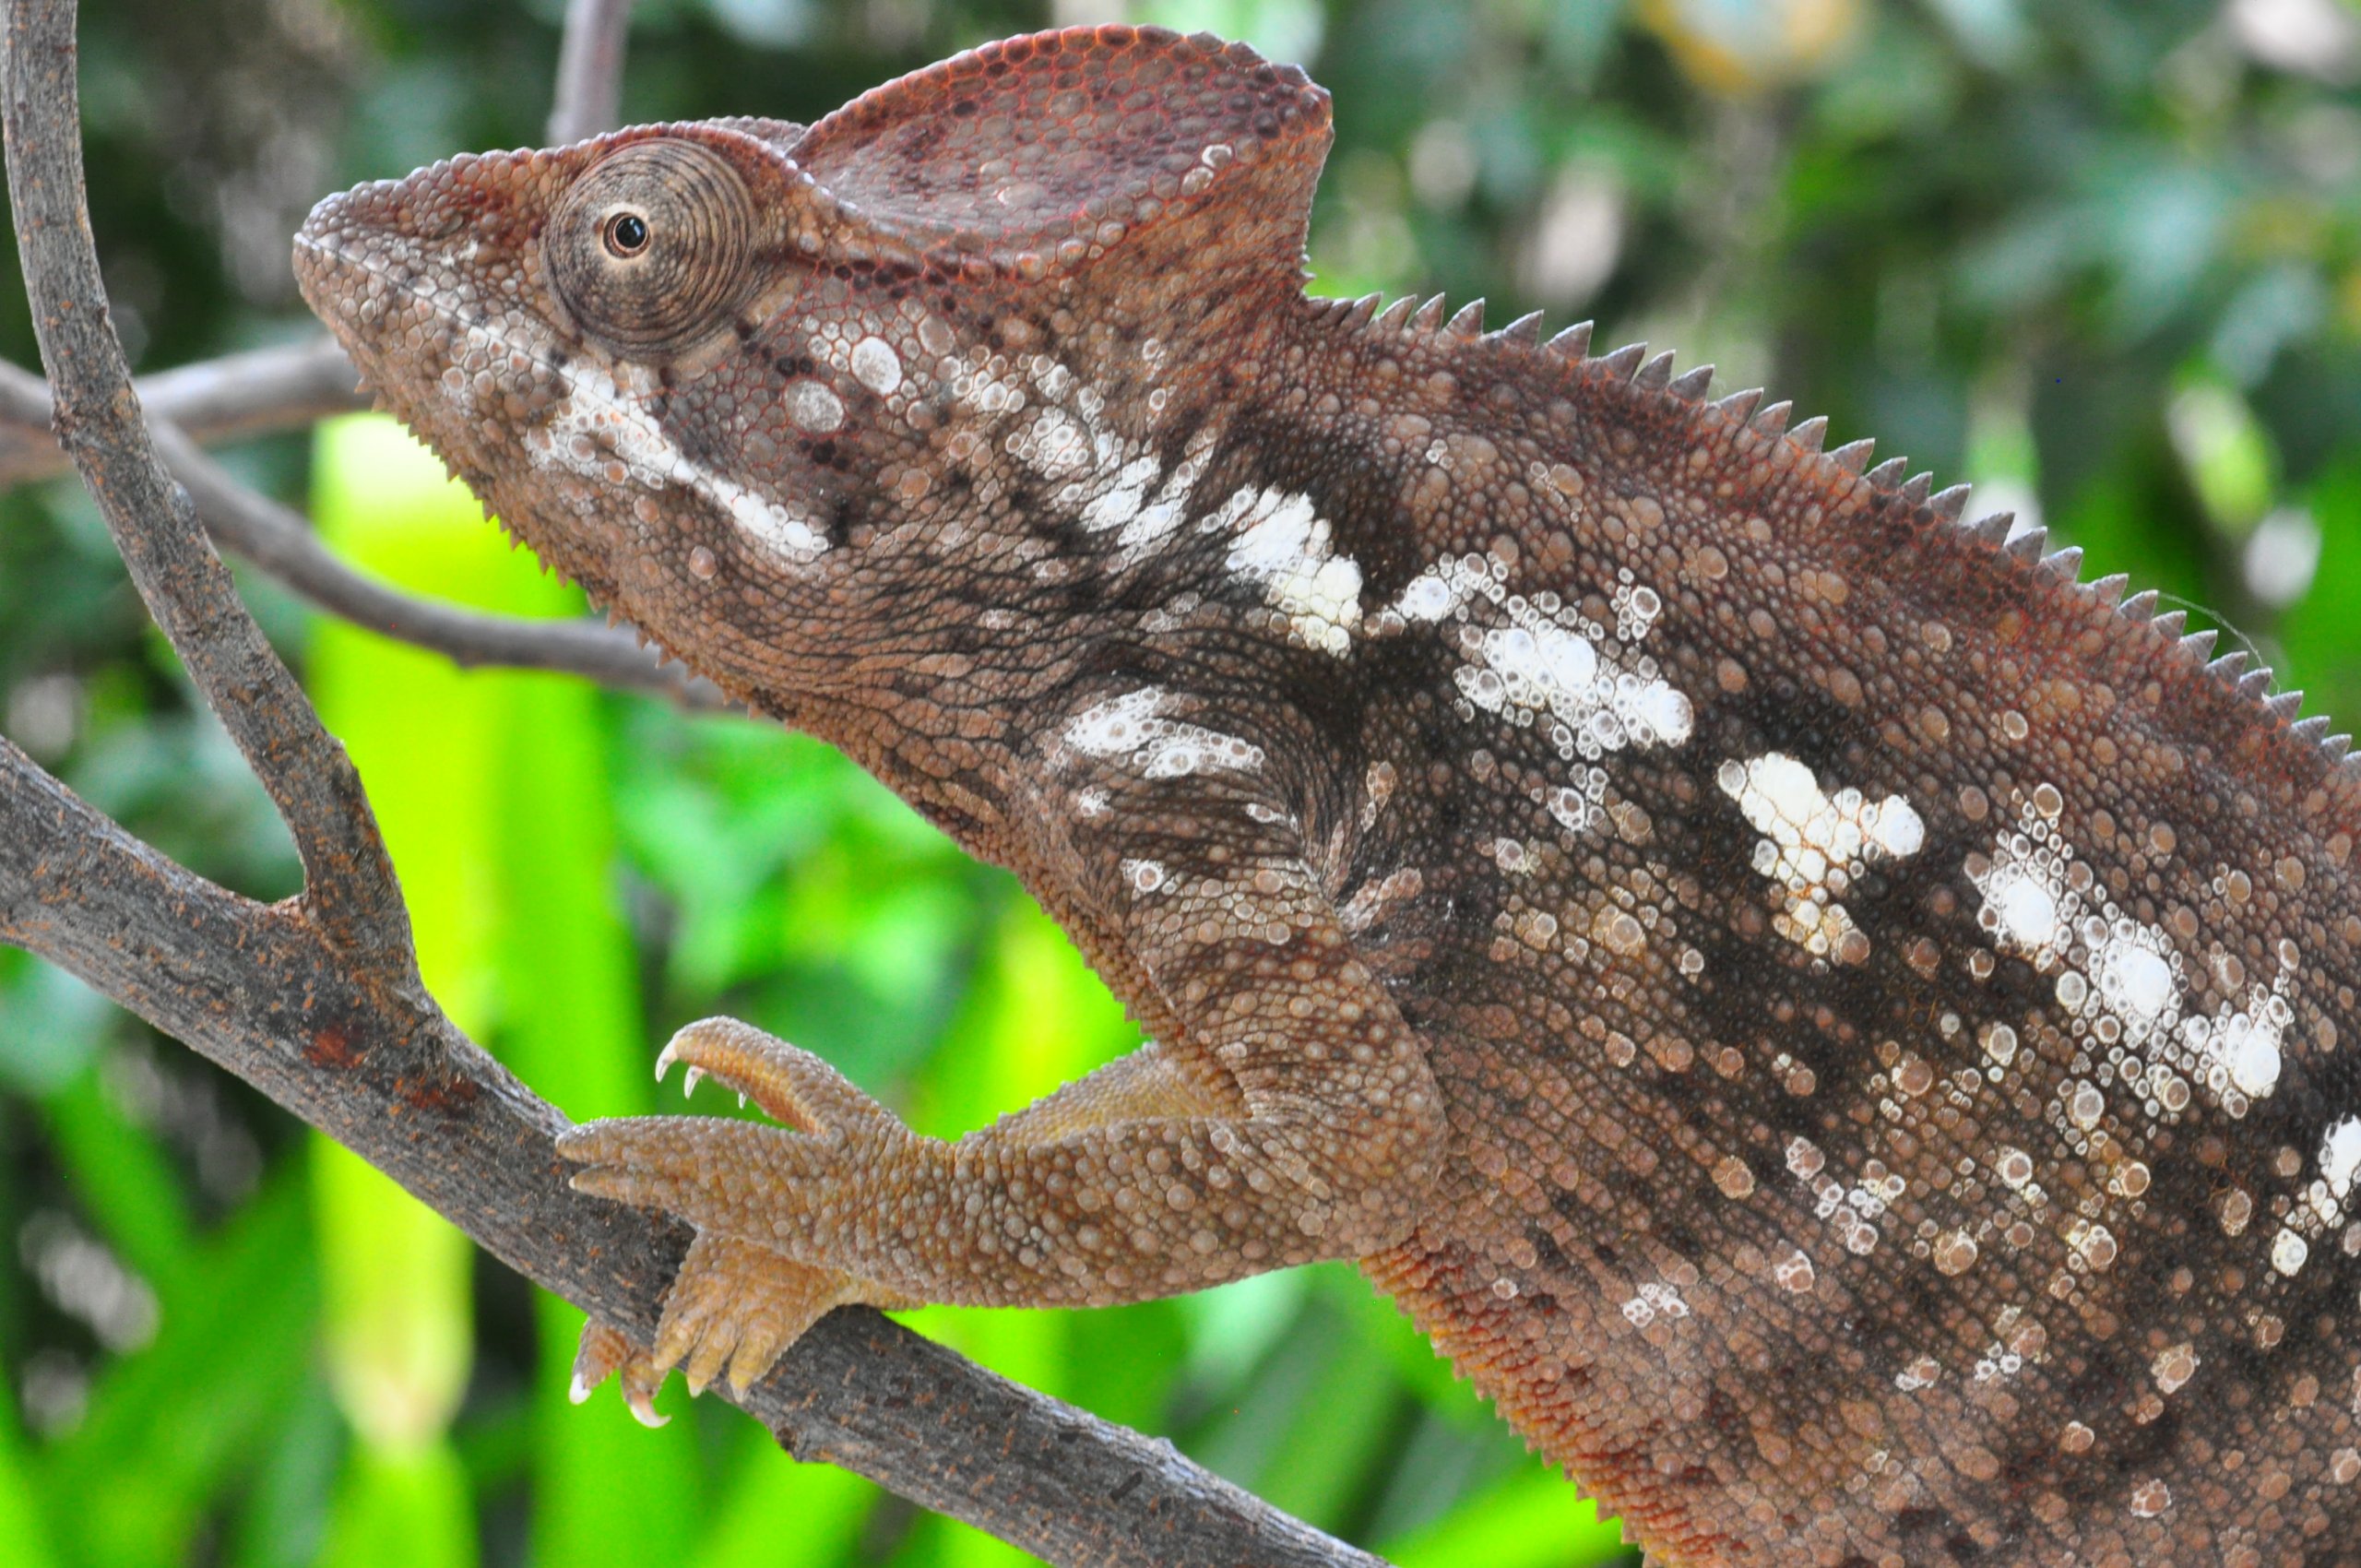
2102	258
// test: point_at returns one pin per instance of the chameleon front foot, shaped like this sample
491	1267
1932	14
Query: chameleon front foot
736	1304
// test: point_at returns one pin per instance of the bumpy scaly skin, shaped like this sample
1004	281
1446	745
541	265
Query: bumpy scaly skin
1843	1031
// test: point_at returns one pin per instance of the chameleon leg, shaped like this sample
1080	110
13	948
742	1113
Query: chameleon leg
741	1304
1320	1136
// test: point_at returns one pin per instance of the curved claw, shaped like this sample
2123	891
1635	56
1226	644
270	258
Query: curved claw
605	1351
600	1352
793	1087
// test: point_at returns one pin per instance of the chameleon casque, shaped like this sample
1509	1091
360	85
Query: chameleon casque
1838	1028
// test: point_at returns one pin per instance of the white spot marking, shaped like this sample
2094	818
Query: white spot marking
1654	1302
2134	977
2024	907
1815	844
812	407
1427	598
2172	1368
2341	1155
1129	727
1051	445
876	366
2245	1045
1279	542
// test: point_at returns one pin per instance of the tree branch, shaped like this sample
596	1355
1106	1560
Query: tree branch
244	393
349	880
317	1002
589	70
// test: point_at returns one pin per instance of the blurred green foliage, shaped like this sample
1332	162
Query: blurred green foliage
2103	259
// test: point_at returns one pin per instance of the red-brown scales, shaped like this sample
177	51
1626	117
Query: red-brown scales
1840	1030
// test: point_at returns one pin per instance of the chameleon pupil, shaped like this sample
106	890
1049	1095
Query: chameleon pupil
627	235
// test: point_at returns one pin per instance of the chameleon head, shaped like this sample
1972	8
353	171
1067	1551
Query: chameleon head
567	330
766	389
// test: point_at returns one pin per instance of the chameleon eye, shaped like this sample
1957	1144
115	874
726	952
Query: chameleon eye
651	248
626	235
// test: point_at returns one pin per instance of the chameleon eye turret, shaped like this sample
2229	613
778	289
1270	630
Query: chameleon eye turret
651	249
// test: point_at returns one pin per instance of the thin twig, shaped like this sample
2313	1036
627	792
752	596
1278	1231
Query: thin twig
220	399
277	540
589	70
348	881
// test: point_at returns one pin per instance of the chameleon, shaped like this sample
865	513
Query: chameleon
1834	1023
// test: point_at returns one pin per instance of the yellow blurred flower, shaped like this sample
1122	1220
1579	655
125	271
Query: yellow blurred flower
1738	47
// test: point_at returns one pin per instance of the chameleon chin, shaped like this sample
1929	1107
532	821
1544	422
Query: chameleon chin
1845	1032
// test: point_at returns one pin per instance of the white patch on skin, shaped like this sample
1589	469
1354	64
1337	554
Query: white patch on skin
2288	1253
1428	597
1105	480
1145	525
1144	876
2243	1047
1129	728
601	427
984	387
2121	982
2341	1156
876	366
2132	969
1279	542
1119	503
1636	609
1815	844
1052	444
812	407
1540	661
2026	906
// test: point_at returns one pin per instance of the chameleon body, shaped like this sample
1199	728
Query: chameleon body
1843	1032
